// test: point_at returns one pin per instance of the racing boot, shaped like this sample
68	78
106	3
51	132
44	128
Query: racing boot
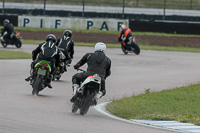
65	67
75	93
2	39
30	77
97	97
49	85
48	81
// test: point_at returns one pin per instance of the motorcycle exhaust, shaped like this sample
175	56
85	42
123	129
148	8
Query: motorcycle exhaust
62	64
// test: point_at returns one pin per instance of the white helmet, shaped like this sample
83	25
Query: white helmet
123	27
100	47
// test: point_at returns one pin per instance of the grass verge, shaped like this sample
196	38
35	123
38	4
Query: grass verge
7	54
144	47
104	32
179	104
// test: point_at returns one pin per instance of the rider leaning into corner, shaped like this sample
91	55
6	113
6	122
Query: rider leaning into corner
66	44
125	36
98	63
7	31
47	51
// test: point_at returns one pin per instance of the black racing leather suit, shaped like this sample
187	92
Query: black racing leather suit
66	45
98	63
47	51
9	29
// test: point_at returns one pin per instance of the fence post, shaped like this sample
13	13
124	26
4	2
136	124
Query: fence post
83	13
190	4
44	7
164	9
123	4
3	6
136	3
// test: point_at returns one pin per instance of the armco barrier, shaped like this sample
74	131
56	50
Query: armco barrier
136	25
62	13
165	26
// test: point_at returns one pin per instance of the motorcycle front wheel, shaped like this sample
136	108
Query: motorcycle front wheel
136	48
124	50
18	43
74	108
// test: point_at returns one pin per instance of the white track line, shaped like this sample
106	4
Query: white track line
167	125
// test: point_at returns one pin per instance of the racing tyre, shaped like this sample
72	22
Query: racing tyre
3	44
18	43
37	86
124	50
86	104
136	48
74	108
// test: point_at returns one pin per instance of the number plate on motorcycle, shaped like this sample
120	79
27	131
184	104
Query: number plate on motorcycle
41	72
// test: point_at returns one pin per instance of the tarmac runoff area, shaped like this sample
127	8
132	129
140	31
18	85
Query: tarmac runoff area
167	125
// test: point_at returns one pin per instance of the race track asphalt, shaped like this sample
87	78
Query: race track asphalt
20	112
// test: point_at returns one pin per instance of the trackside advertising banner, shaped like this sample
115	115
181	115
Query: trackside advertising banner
71	23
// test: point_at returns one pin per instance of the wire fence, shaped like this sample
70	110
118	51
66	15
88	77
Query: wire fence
85	5
170	4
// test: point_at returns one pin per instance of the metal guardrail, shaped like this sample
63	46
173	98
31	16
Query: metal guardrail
121	6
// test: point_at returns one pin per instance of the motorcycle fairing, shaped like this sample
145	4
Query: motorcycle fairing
92	78
43	63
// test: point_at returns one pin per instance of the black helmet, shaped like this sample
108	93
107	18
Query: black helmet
51	37
67	33
6	21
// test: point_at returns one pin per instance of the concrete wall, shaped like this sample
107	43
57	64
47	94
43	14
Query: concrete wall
105	24
71	23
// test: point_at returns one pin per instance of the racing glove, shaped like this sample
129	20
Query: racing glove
76	66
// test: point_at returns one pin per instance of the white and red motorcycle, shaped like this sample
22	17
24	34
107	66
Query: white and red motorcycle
87	92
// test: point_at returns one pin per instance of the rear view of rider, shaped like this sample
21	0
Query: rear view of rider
45	51
7	31
66	45
98	63
125	36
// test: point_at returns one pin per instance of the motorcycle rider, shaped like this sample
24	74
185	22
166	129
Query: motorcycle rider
98	63
7	31
66	45
125	37
47	51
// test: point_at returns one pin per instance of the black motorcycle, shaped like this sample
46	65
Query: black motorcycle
86	94
15	39
61	66
131	47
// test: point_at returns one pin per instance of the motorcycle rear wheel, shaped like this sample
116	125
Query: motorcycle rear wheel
37	86
86	104
3	44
